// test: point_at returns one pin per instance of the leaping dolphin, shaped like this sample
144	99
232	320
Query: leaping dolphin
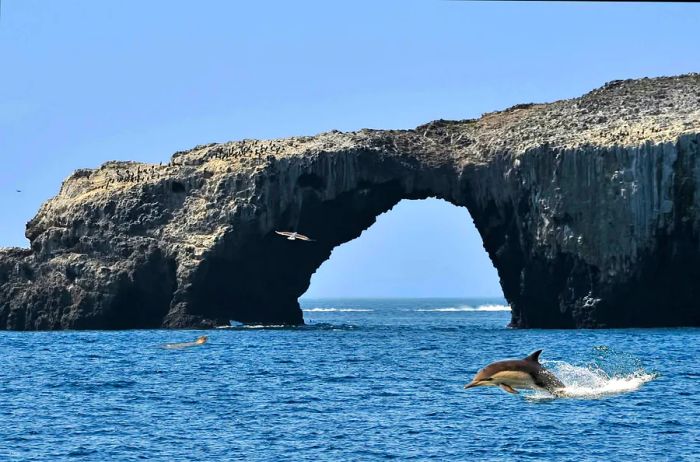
294	235
511	374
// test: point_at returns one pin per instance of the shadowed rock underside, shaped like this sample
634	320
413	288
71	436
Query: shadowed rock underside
587	208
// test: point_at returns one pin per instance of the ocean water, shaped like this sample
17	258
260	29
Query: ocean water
364	380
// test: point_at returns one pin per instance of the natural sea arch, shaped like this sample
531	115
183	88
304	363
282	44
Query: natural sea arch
426	248
252	275
257	276
587	208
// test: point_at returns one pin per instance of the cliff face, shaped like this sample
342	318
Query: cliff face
587	208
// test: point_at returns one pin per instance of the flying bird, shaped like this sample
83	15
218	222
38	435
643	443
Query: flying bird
292	236
518	373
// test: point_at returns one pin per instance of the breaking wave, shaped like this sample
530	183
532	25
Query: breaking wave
239	326
453	309
335	310
236	326
611	374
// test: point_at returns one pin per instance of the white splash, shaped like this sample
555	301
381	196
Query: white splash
263	326
335	310
591	382
238	326
454	309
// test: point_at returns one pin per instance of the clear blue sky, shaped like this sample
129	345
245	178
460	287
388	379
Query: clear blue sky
82	82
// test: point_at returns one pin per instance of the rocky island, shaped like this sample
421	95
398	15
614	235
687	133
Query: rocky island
587	208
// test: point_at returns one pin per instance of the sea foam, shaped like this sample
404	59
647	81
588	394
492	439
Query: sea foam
591	382
335	310
454	309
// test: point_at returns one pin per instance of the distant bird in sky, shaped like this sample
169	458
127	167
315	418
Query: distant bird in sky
292	236
19	190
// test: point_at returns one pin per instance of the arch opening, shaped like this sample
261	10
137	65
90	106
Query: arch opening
418	249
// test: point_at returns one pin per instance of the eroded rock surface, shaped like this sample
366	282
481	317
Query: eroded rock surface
587	207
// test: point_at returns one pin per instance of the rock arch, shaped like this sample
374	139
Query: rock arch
259	278
587	208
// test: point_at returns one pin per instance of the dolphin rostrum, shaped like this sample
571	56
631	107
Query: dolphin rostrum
517	373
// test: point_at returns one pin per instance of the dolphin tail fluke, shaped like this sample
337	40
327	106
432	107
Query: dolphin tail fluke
535	357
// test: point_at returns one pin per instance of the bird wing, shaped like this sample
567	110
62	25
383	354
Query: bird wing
304	238
284	233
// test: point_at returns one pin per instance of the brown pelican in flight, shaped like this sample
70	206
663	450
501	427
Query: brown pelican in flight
292	236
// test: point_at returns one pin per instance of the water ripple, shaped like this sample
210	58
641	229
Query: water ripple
384	383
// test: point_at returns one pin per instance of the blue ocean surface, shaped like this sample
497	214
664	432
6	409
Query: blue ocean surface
369	379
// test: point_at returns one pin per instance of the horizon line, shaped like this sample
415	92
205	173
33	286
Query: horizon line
401	297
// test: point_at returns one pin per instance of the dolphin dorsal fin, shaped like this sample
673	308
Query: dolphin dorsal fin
535	356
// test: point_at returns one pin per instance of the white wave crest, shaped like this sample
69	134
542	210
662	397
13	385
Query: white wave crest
239	326
592	382
335	310
264	326
454	309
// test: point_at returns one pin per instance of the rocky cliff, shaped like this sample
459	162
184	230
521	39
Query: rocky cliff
587	208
